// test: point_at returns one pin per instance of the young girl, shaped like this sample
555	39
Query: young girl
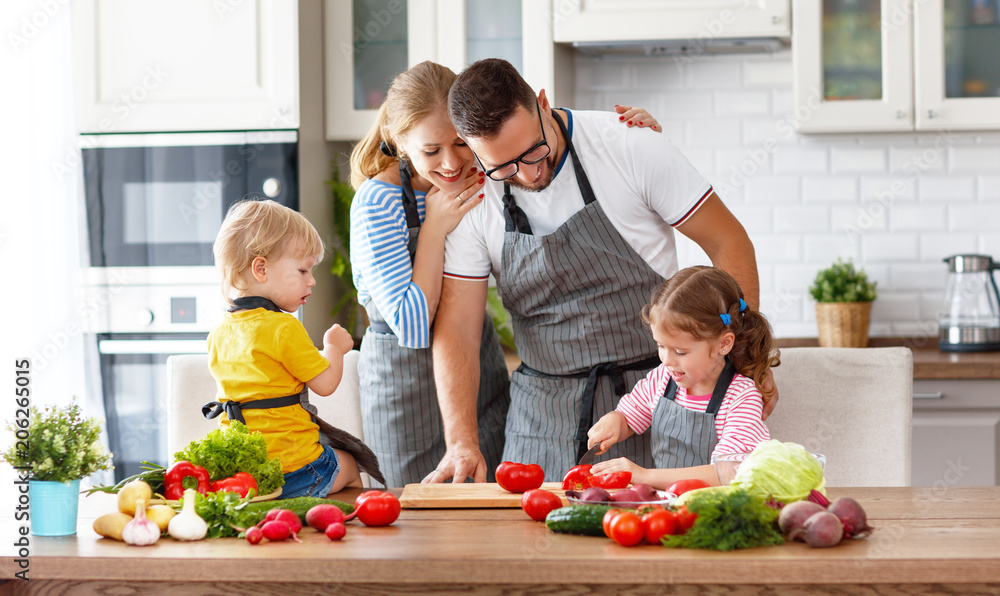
262	357
415	180
703	400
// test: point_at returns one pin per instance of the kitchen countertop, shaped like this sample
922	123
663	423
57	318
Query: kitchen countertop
927	540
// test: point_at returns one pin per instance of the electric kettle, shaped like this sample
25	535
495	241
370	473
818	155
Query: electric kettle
970	318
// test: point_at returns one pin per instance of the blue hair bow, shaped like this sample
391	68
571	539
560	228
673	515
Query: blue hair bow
726	319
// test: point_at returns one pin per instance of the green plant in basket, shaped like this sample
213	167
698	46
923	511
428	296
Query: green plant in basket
842	282
60	445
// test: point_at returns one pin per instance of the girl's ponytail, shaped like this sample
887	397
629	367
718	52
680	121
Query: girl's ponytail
753	353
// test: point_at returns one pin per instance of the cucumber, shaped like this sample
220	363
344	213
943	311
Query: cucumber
577	519
251	513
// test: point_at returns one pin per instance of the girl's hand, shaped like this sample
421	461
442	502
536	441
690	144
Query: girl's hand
621	464
637	117
446	209
339	339
607	431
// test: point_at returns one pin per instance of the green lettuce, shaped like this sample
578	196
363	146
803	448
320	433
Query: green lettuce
786	472
235	448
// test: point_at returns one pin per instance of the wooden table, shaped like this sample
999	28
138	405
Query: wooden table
932	541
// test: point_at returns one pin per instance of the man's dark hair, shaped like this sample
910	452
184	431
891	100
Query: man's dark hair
485	95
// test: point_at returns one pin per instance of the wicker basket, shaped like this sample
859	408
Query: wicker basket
843	324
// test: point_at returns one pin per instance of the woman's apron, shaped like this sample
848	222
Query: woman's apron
683	437
575	298
399	405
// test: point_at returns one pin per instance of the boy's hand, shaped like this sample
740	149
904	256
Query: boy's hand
607	431
338	338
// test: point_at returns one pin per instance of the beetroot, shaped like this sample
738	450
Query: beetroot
645	492
319	517
852	516
821	529
626	495
595	495
795	514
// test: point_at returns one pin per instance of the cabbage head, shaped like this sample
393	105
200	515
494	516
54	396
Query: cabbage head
786	472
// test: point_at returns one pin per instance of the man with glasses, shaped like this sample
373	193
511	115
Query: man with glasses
577	230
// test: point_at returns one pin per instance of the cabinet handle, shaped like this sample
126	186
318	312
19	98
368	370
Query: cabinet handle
930	114
935	395
900	114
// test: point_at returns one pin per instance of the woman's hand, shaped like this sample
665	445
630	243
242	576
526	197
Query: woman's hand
637	117
621	464
445	209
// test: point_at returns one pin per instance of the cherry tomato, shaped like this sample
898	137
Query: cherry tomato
626	529
659	523
609	515
519	478
611	480
685	519
682	486
538	502
377	508
577	478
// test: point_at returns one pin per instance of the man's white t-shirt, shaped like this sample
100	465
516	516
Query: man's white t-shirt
644	184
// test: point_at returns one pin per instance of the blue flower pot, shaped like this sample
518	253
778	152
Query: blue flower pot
53	507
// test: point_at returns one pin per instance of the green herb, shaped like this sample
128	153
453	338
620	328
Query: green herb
729	520
226	451
225	512
841	282
152	475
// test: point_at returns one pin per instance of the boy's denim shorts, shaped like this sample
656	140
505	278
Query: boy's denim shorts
314	479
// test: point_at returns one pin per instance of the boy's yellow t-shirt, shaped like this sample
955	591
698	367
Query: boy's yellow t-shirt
259	354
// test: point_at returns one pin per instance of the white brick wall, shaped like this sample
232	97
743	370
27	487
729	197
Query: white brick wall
897	203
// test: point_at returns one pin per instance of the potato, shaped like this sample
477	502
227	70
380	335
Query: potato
160	515
130	493
110	525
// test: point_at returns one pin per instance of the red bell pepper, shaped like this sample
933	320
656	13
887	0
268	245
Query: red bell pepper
519	478
611	480
175	479
240	483
578	478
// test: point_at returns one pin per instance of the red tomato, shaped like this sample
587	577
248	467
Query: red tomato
609	515
376	508
682	486
659	523
537	503
612	480
685	519
519	478
577	478
626	529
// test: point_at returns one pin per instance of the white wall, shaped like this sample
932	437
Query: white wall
897	204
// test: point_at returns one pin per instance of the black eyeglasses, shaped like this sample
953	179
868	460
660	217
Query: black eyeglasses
529	157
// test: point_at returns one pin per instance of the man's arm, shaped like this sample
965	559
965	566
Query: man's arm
458	330
724	240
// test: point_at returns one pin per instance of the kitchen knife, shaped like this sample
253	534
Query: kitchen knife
588	457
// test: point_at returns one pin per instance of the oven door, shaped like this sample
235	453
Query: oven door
159	199
134	379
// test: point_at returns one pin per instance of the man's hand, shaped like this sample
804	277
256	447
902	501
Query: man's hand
769	402
458	464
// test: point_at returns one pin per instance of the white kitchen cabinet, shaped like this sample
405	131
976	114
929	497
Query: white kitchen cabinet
645	20
185	65
895	65
368	42
956	433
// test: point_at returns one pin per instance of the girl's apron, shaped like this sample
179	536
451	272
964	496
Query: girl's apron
575	298
683	437
399	405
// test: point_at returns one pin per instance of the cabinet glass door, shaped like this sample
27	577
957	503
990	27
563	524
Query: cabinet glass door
971	48
852	50
493	30
380	49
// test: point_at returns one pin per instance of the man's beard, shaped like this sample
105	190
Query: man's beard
543	182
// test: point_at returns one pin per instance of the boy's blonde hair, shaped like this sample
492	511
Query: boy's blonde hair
266	229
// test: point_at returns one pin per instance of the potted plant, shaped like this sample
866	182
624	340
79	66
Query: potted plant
844	298
53	449
340	263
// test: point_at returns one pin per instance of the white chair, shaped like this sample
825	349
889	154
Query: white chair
190	385
853	405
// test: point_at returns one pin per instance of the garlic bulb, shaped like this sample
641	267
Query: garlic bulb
188	525
140	531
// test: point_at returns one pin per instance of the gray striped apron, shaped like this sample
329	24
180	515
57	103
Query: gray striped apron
399	405
683	437
575	298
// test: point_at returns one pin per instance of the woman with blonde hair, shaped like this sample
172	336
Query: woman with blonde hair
415	179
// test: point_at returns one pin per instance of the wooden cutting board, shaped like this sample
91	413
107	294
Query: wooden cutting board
467	495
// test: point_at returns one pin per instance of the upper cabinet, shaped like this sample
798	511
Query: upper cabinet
185	65
642	20
368	42
896	65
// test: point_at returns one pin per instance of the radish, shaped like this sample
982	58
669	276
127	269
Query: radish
852	516
822	529
335	530
321	516
275	531
795	514
254	535
285	516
